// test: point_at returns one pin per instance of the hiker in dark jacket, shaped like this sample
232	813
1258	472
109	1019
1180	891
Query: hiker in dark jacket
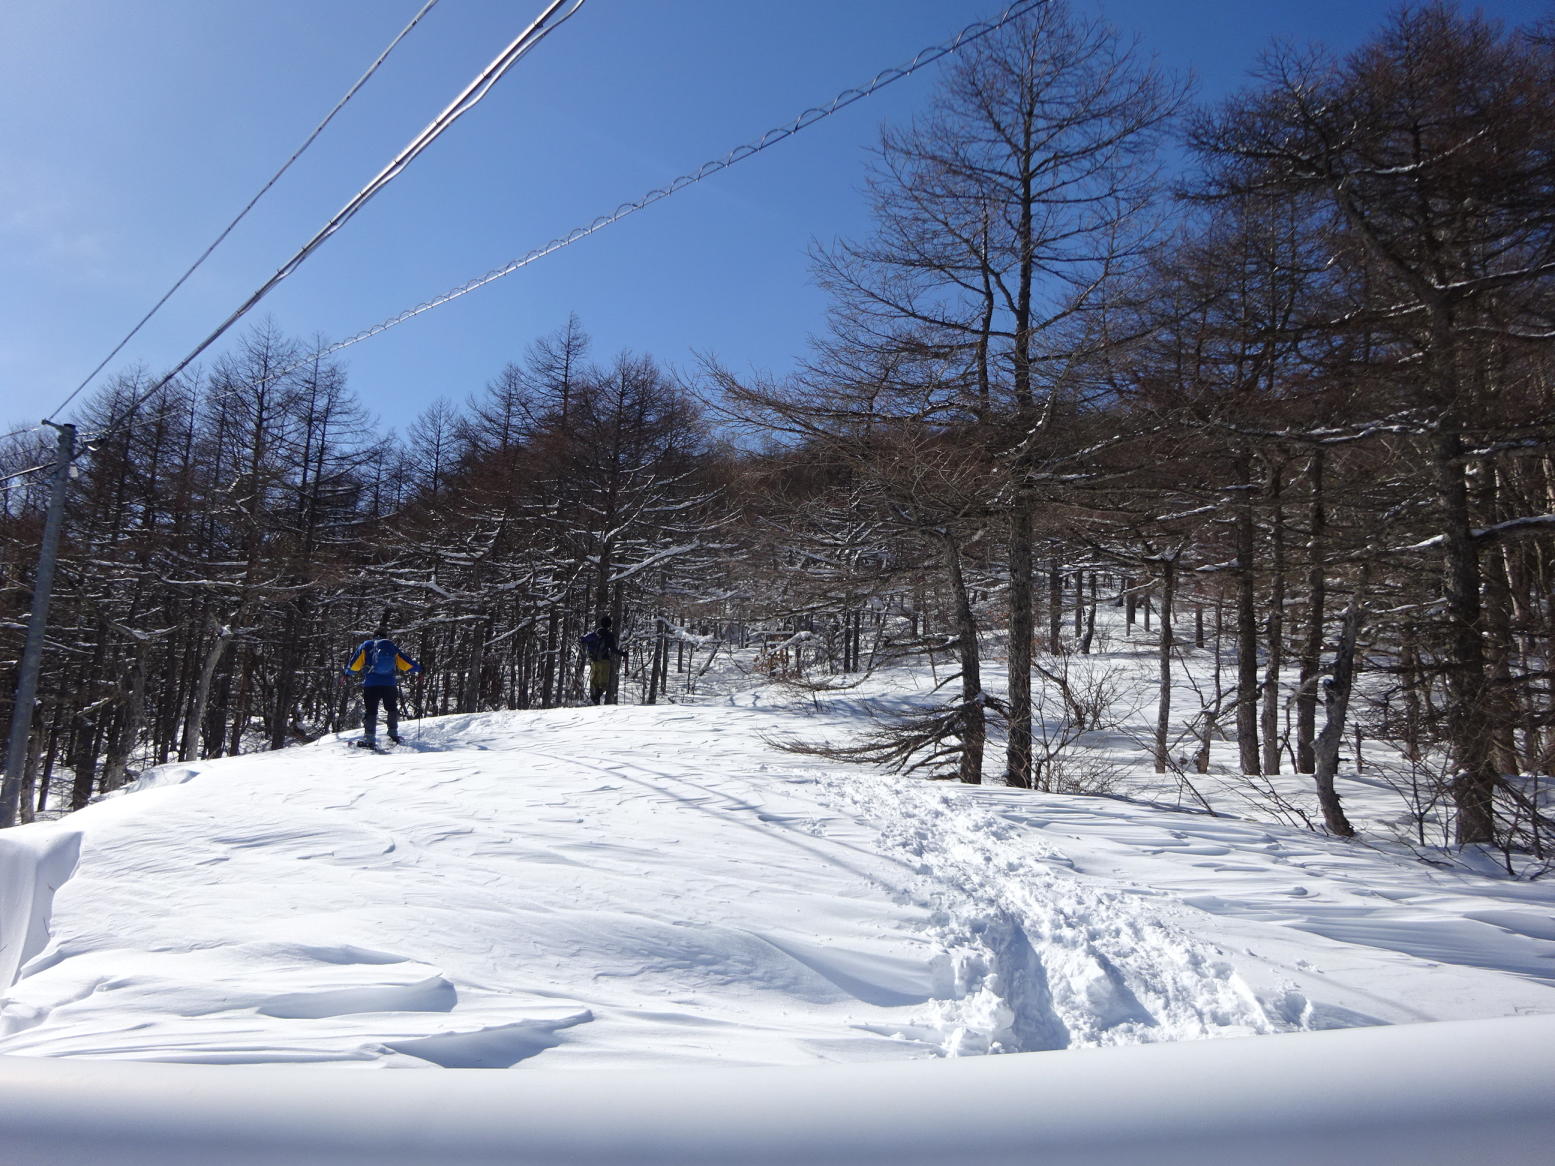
603	652
379	663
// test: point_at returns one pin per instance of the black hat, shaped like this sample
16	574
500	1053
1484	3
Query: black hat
604	621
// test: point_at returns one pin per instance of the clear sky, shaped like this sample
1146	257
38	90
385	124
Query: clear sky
133	130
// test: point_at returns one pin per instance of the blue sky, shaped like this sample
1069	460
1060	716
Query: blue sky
135	129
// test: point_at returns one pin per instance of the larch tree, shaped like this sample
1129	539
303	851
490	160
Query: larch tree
1433	150
1005	221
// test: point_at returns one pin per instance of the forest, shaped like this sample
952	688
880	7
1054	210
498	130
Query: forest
1273	378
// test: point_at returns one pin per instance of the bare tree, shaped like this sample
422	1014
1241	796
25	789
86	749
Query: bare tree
1430	148
1006	219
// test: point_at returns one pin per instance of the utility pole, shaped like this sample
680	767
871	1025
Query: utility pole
37	622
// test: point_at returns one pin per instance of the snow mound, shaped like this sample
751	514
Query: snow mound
651	887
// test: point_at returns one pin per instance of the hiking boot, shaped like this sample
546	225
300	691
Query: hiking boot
395	737
366	743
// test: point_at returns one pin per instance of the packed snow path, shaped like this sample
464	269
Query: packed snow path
642	887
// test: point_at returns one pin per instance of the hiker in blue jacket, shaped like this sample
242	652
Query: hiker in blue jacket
379	663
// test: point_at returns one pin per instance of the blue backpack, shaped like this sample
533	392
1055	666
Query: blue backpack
382	661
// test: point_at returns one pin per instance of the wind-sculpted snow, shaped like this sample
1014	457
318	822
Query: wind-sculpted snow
647	887
33	867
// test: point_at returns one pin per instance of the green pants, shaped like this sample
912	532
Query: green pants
599	679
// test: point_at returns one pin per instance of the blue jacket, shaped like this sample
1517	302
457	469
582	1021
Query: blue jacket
366	658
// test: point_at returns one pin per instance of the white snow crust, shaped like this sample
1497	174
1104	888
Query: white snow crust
655	889
1410	1095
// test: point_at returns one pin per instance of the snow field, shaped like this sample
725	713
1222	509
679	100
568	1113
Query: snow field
653	887
641	890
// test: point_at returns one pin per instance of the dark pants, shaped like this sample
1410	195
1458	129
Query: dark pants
389	697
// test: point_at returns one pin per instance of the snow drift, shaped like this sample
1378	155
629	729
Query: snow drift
1419	1095
650	889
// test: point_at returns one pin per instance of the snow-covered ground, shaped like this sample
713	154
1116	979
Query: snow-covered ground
660	888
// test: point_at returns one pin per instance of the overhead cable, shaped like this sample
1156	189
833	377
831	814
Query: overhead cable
24	473
242	214
542	26
739	154
809	117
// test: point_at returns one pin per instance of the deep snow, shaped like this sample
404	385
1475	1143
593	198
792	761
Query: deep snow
1403	1095
657	886
652	888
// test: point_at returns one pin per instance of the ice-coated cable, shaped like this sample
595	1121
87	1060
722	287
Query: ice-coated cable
806	119
242	214
739	154
20	432
467	100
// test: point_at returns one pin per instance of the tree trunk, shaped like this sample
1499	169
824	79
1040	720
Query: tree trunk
288	659
1090	621
1468	714
549	696
1498	643
1018	757
1055	608
31	800
202	694
1246	633
656	671
1312	644
1211	714
1270	721
243	702
470	698
972	714
1336	704
127	734
1163	711
617	621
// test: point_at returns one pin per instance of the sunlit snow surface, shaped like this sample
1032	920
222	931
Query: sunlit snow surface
638	887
